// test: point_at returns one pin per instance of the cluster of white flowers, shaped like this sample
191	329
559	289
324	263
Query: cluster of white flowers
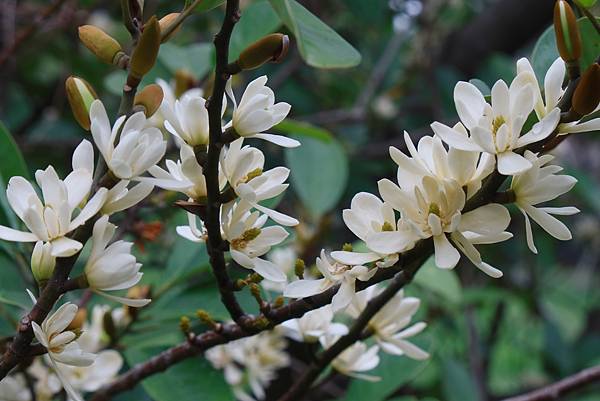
77	359
250	364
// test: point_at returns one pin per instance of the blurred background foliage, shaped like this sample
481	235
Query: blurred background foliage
489	338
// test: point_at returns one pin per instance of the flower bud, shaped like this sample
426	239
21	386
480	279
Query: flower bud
80	95
587	94
568	39
165	22
104	46
80	318
271	48
145	53
42	262
149	98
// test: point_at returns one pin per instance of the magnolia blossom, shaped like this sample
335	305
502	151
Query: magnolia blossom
389	325
257	112
139	148
121	197
496	128
47	383
540	184
51	220
243	169
14	388
250	362
112	267
62	345
368	215
184	176
333	274
249	239
430	157
285	258
552	94
166	109
86	379
433	209
313	325
356	359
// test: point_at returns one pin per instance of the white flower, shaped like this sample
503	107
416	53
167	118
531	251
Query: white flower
467	168
112	267
333	274
356	359
257	112
433	209
248	239
101	372
389	325
496	128
553	92
42	261
250	362
166	109
367	216
188	119
14	388
285	259
139	148
192	232
120	197
313	325
541	184
185	175
47	384
62	345
51	220
243	169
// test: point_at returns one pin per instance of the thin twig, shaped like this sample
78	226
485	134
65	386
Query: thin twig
557	390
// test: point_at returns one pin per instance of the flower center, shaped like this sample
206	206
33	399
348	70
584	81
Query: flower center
498	122
247	236
387	226
434	209
253	174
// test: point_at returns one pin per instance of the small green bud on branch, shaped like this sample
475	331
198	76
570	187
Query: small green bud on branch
270	49
80	95
299	267
145	53
165	23
587	94
104	46
568	38
149	99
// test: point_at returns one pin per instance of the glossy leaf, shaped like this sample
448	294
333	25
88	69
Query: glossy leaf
11	159
319	173
319	45
545	51
300	128
258	19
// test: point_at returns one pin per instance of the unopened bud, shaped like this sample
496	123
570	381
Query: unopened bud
255	291
587	93
165	23
255	278
104	46
271	48
279	301
568	38
145	53
184	324
42	262
183	82
79	320
299	267
80	95
149	98
206	318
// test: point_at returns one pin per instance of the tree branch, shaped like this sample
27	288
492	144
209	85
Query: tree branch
567	385
215	243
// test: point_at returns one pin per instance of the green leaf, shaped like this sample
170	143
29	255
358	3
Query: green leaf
300	128
587	3
319	173
393	370
258	19
11	159
207	5
197	59
319	45
185	381
545	51
457	383
442	282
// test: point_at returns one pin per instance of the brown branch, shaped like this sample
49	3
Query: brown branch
215	244
557	390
